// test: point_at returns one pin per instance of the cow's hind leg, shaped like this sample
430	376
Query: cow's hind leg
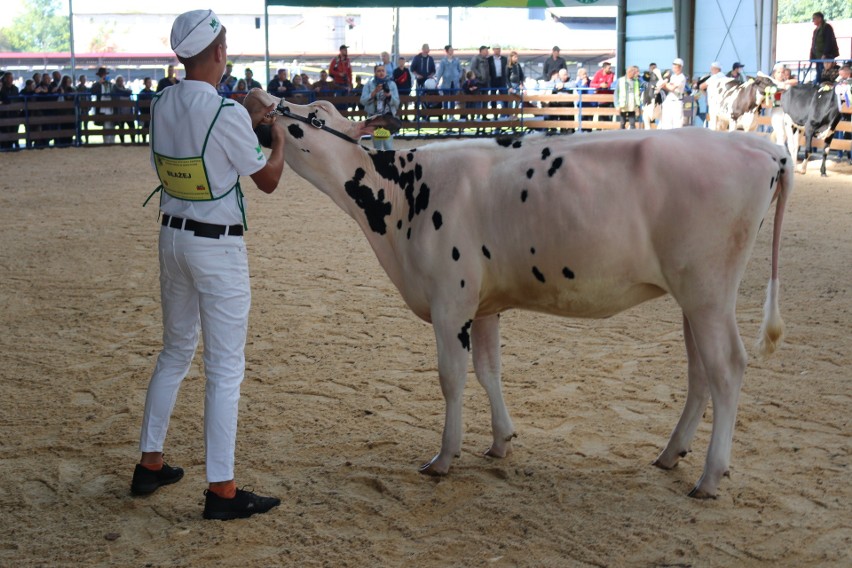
697	395
723	356
486	363
452	336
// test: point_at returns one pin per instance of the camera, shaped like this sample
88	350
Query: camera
386	87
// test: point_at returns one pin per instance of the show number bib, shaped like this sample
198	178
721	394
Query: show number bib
183	178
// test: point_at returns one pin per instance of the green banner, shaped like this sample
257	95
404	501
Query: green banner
441	3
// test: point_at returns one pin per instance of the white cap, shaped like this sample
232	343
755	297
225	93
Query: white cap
678	61
193	31
716	65
779	67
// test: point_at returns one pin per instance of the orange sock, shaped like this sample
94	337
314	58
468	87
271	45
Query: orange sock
224	489
152	466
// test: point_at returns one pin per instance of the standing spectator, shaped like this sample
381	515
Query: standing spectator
228	81
66	92
470	87
385	60
479	66
736	73
646	76
169	80
204	273
423	66
497	70
280	86
340	71
604	78
552	64
402	78
380	96
8	94
823	43
515	74
626	97
250	81
143	108
81	85
449	75
102	88
673	87
123	113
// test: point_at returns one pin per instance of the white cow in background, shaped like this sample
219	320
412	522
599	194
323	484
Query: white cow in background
469	229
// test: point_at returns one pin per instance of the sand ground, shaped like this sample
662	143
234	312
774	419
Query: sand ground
341	402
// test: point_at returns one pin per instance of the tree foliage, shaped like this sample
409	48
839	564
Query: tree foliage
796	11
39	28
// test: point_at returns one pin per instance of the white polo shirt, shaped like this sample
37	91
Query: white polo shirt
181	118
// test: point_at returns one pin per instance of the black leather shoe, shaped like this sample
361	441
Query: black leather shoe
243	505
146	481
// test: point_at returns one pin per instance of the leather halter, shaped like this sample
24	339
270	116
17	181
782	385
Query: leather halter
283	110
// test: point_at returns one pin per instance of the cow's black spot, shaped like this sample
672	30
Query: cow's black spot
529	173
516	144
567	273
538	275
418	172
486	252
437	220
410	157
783	161
375	207
557	163
464	336
385	165
295	131
462	283
306	151
524	194
401	162
456	254
532	250
422	201
399	224
504	141
545	153
771	182
408	234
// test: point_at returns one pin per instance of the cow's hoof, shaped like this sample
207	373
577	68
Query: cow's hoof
432	469
697	493
823	175
663	465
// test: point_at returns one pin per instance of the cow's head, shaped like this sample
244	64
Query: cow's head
305	123
764	89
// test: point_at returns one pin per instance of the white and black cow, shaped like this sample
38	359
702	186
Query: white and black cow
469	229
738	105
814	111
652	99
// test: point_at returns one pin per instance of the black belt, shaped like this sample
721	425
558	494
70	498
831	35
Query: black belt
207	230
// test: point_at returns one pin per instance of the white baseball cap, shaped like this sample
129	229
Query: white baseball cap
193	31
678	61
716	65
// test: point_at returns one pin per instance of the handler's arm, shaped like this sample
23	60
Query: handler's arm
267	178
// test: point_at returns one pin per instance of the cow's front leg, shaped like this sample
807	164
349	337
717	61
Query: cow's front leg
697	395
453	339
486	363
825	149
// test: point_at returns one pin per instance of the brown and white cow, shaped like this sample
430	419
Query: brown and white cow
469	229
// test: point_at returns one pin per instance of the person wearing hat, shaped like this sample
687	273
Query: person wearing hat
201	143
101	89
710	87
340	71
228	82
673	87
552	64
736	73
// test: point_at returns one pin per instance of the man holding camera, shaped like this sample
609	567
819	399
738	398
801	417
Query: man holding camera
381	96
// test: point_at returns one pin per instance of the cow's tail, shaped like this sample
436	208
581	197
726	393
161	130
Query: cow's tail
772	328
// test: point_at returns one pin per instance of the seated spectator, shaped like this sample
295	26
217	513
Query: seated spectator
306	81
280	86
582	81
240	91
324	86
299	87
250	81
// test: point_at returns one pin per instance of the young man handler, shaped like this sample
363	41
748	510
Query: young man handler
200	146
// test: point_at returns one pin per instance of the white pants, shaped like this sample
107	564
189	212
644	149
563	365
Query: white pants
202	281
776	118
672	114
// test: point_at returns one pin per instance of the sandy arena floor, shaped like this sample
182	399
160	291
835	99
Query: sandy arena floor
341	402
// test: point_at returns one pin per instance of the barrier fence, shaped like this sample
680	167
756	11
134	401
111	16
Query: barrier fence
33	121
